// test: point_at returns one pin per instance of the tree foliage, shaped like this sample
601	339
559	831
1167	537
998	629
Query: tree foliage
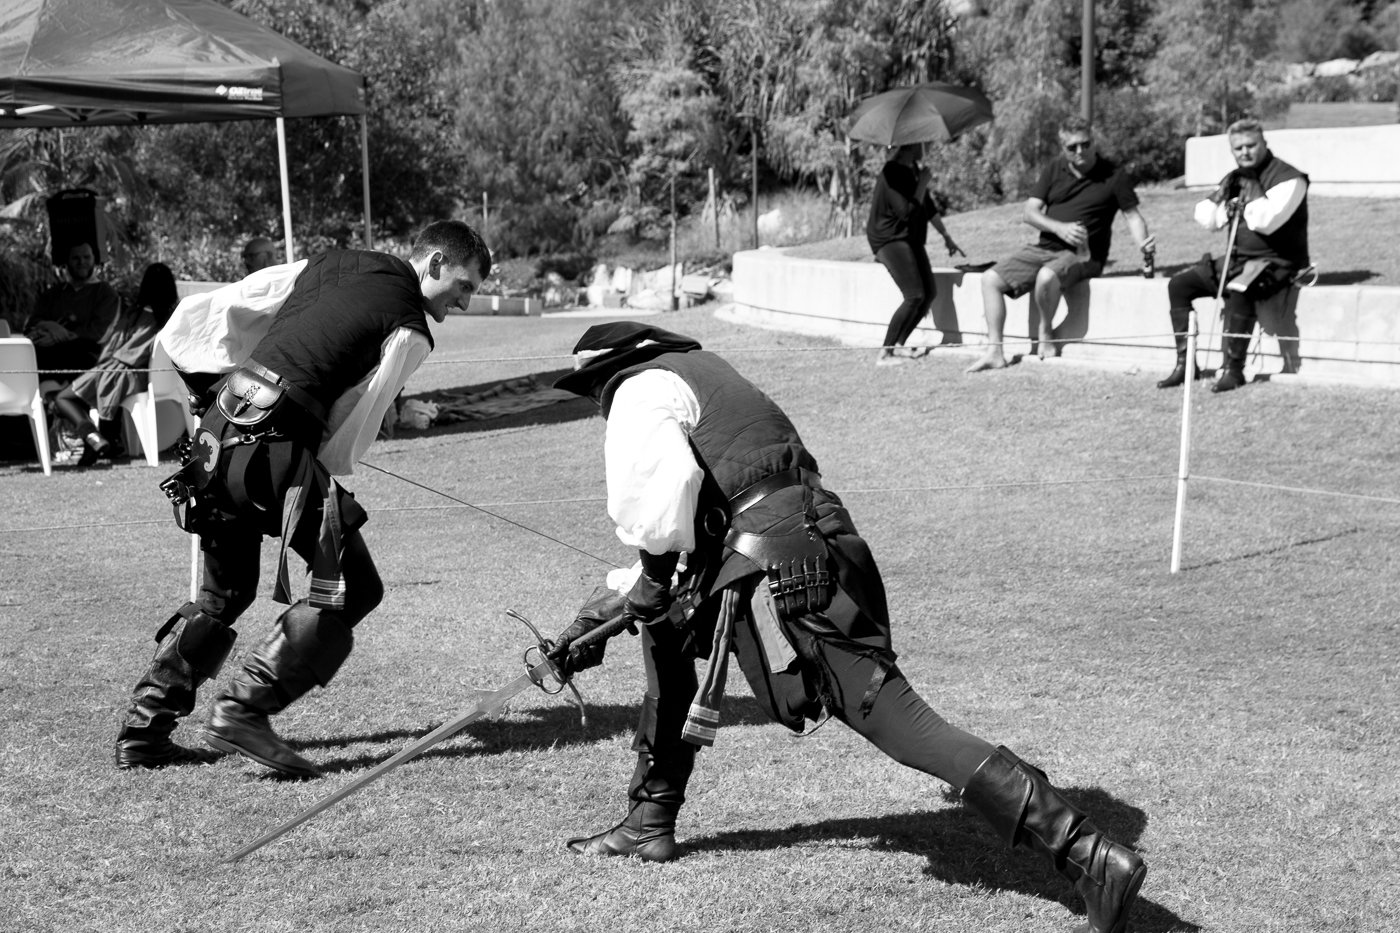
544	120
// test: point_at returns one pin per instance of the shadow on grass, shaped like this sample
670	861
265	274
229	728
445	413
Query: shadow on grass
1305	542
962	850
546	727
557	412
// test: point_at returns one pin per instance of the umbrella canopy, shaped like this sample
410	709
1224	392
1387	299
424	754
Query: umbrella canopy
923	113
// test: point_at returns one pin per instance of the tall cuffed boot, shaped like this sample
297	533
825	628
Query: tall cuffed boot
648	832
305	650
1232	369
190	649
1026	810
1181	320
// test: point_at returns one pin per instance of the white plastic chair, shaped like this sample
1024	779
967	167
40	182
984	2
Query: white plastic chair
19	392
165	386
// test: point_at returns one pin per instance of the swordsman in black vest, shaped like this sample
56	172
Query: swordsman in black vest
1268	199
709	479
314	354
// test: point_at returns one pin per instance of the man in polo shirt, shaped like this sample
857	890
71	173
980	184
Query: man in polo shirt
1072	205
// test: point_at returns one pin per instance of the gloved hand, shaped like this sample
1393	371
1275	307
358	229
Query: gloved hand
650	597
602	606
1234	208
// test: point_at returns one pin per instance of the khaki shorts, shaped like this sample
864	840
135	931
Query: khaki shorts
1019	269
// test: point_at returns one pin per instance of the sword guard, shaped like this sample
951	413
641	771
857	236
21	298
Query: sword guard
544	646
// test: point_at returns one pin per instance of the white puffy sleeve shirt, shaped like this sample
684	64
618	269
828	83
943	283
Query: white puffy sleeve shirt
1262	215
653	478
216	331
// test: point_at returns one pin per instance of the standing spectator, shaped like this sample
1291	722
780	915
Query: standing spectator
901	211
1072	205
70	318
1269	198
344	332
121	369
259	253
702	465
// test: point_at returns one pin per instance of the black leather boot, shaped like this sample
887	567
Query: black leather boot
1026	810
305	650
191	647
1234	349
649	830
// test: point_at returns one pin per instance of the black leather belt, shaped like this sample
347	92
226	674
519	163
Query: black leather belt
297	394
754	493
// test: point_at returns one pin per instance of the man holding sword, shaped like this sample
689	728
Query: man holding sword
1264	202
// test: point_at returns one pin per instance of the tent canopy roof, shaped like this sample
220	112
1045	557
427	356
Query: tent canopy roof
115	62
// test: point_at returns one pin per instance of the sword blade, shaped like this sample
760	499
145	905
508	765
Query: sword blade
485	707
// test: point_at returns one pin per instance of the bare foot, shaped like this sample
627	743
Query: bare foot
1047	348
992	360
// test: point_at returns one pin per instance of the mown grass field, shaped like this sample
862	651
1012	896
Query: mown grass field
1236	722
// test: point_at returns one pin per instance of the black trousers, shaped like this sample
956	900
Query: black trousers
899	723
1240	314
912	272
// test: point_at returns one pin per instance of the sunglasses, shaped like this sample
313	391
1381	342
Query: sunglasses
1078	147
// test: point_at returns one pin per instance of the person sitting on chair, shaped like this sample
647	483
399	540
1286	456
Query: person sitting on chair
70	318
122	368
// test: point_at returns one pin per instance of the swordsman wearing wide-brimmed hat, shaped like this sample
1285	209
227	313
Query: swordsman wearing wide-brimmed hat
742	549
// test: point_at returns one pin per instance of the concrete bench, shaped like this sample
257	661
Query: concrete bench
1343	334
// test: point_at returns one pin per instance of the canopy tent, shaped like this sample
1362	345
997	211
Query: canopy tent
125	62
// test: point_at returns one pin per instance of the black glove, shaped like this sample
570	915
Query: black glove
650	597
1234	208
602	606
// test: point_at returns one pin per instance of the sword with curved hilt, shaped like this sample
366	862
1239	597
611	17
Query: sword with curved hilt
538	673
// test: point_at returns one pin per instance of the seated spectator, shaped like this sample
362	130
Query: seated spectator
69	319
1268	198
121	370
1072	205
259	253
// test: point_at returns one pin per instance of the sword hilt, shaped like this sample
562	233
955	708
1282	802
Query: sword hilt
544	646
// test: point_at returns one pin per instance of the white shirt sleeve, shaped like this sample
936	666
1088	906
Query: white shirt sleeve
354	419
1267	214
215	331
653	478
1210	215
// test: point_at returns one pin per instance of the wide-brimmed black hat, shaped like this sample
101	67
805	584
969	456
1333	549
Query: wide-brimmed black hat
605	350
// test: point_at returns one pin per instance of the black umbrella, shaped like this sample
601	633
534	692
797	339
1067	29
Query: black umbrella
919	114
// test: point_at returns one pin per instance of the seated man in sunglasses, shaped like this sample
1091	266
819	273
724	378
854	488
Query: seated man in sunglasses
1072	205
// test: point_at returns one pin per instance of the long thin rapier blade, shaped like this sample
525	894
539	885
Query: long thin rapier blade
485	707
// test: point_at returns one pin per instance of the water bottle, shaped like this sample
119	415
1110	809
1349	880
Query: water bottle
1149	263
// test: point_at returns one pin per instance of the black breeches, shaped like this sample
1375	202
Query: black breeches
909	266
901	724
232	557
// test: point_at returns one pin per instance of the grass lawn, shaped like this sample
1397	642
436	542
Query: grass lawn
1236	722
1352	240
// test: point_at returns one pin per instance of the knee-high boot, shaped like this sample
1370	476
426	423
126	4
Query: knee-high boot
190	649
305	650
1026	810
657	791
1235	349
1181	320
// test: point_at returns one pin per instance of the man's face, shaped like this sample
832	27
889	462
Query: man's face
1079	151
1248	149
447	287
258	255
81	263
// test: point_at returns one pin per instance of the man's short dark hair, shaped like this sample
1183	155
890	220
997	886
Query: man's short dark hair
1077	126
1246	126
457	241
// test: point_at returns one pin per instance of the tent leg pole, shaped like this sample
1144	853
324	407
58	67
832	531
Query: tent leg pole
364	174
286	188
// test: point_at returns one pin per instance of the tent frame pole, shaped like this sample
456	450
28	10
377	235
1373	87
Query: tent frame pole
364	175
286	189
